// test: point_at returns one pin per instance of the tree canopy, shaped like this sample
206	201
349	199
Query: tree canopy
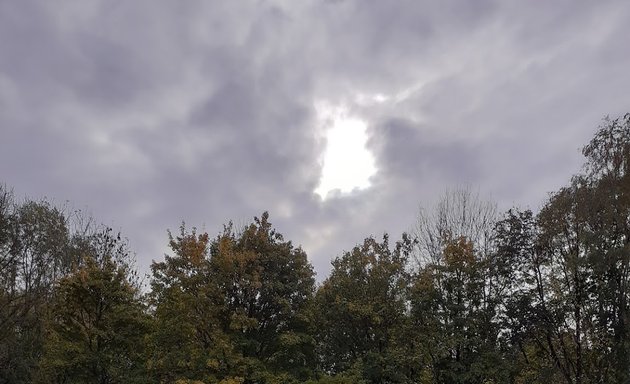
471	296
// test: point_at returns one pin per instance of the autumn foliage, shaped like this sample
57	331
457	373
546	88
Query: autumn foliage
470	296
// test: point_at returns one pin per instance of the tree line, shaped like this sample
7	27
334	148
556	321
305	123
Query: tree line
471	295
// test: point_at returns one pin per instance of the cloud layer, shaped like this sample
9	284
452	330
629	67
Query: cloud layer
150	113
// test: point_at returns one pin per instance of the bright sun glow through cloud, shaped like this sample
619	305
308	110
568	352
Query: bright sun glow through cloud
347	163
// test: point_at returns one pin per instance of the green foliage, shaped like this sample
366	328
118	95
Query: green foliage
452	309
360	311
568	310
33	245
350	376
96	328
525	298
266	286
186	342
235	308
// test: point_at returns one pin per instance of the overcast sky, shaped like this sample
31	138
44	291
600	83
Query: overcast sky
147	113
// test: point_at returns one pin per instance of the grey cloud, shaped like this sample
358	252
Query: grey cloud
150	113
407	150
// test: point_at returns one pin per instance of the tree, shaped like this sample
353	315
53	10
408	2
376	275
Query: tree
240	305
96	327
607	185
459	289
360	311
10	309
530	319
186	342
459	334
40	244
459	213
570	304
33	245
266	285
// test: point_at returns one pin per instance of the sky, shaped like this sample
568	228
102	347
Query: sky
340	118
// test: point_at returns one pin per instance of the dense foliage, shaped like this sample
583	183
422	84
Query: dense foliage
472	296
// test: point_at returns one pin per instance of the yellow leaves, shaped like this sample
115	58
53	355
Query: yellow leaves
459	253
241	322
425	281
194	248
426	376
212	363
235	321
232	380
190	246
289	339
231	258
360	309
237	263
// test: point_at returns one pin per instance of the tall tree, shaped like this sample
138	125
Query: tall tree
607	180
34	241
361	310
460	212
459	289
266	285
531	319
96	327
237	305
571	304
186	341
